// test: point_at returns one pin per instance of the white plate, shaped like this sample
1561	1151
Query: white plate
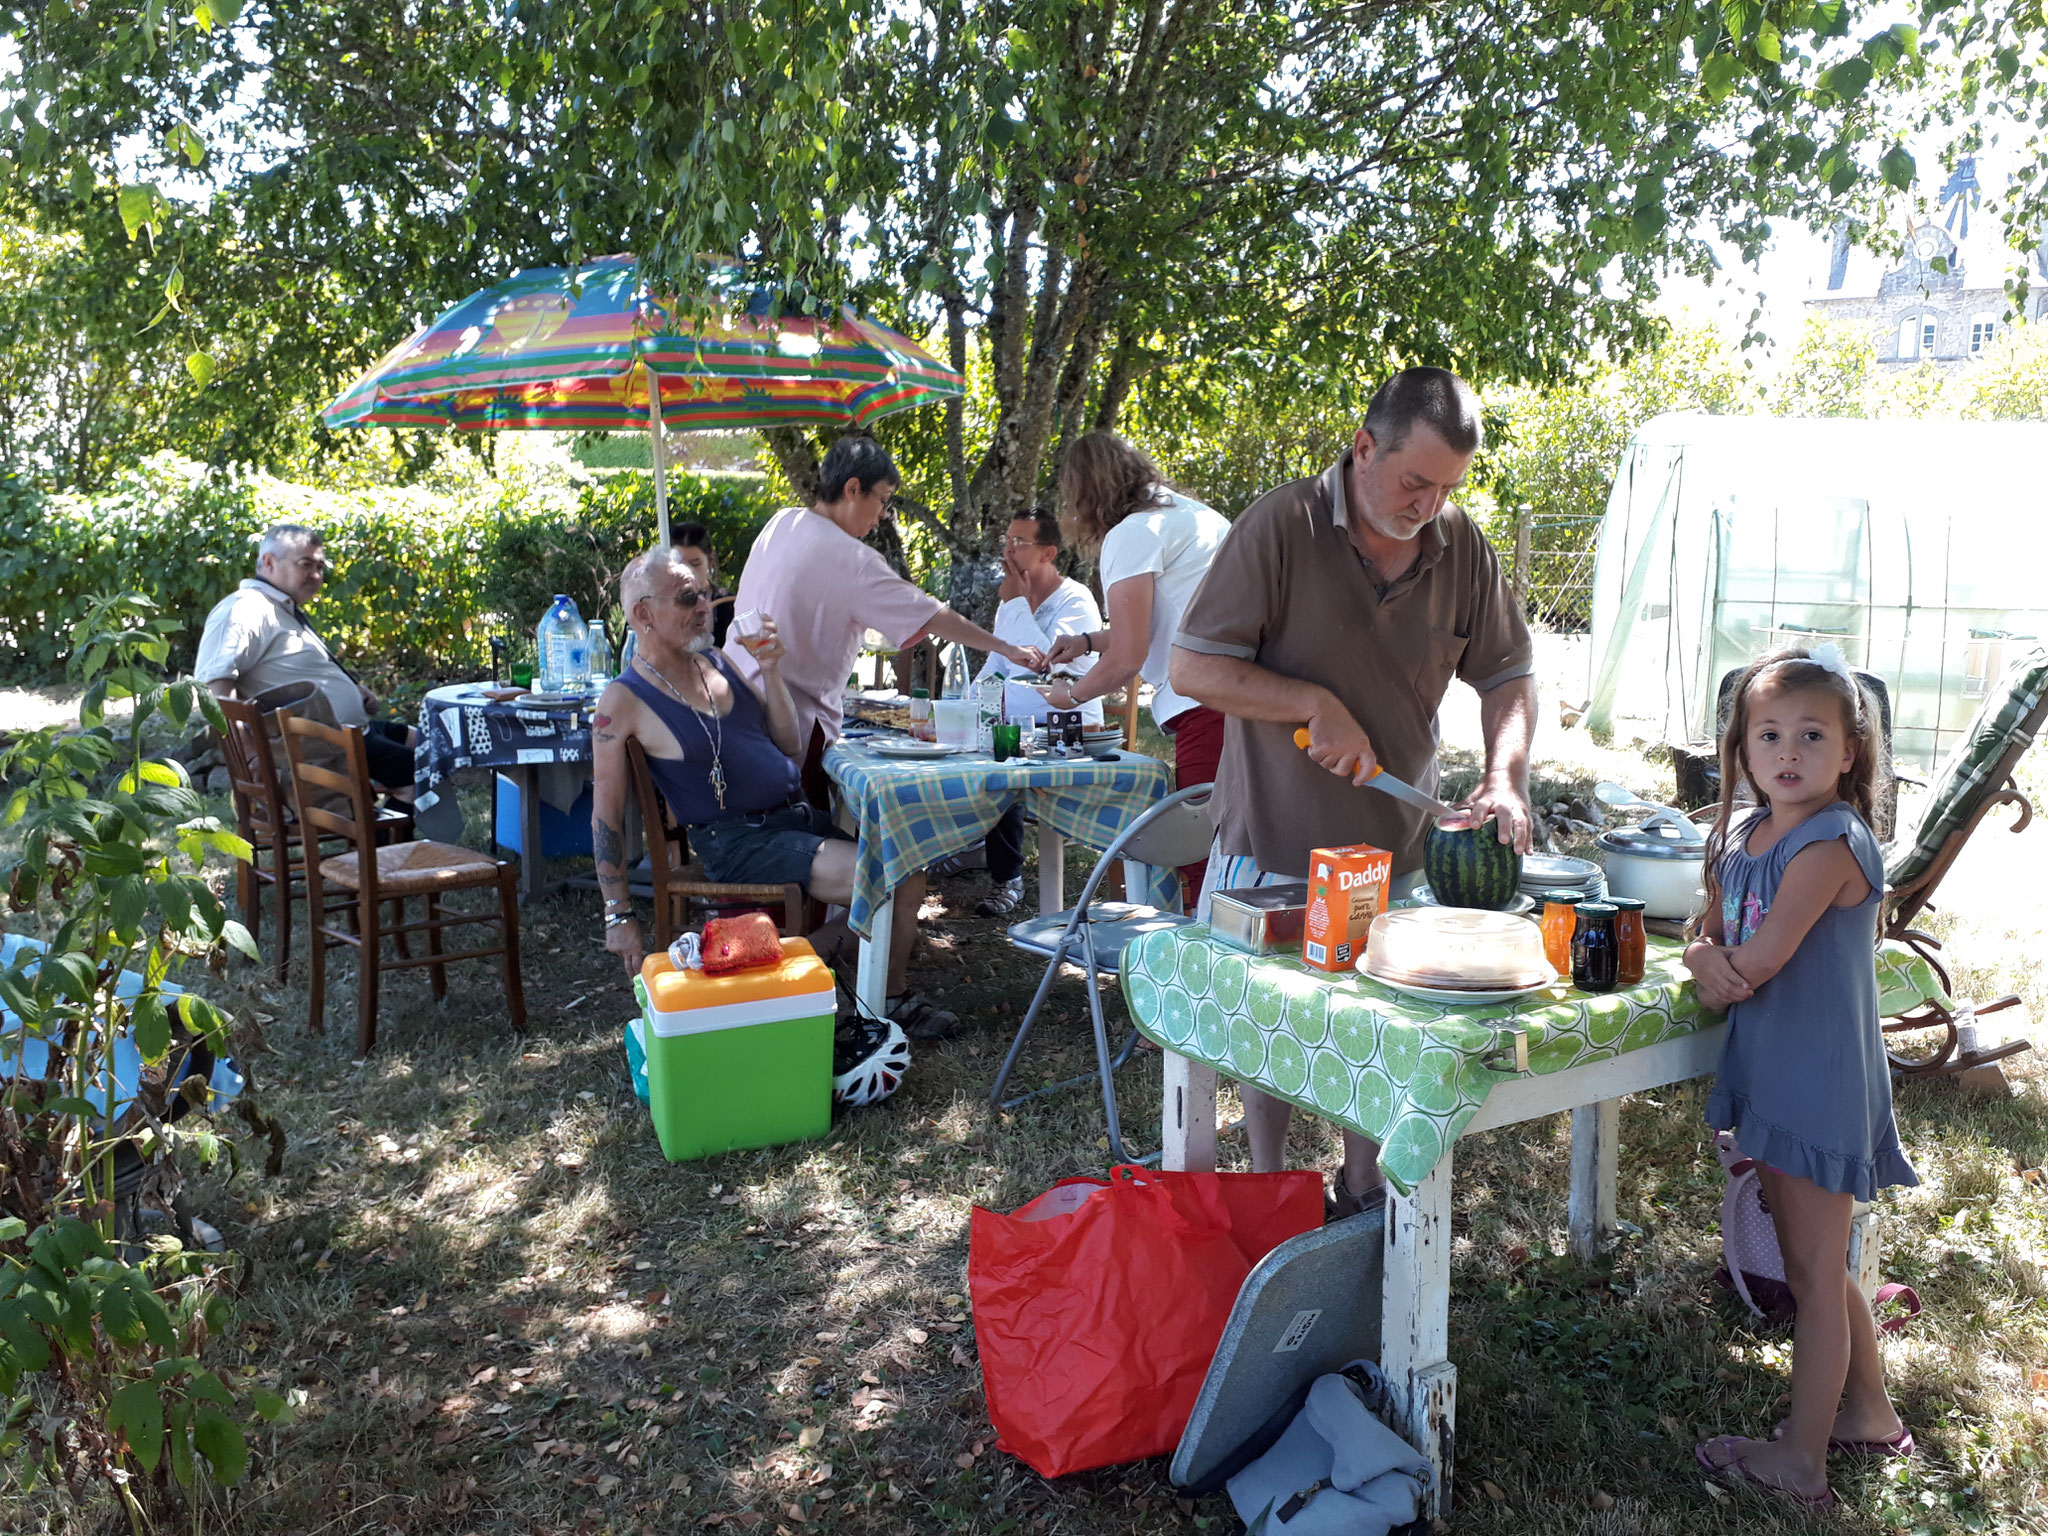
1422	895
1459	996
912	748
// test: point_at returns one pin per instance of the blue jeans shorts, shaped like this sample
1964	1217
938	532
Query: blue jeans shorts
763	847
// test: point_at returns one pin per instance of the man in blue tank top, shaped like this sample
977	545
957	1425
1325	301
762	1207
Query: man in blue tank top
723	756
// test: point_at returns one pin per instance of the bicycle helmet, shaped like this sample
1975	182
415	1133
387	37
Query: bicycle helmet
869	1058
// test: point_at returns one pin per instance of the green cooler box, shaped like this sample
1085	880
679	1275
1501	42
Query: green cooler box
740	1060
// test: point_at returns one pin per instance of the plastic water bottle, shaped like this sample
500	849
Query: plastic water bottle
600	656
956	674
562	644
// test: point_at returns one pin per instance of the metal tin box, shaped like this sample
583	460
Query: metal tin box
1265	919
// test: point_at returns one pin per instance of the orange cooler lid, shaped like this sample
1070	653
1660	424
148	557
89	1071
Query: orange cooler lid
800	973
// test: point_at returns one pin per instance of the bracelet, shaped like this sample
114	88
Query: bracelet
1088	639
619	919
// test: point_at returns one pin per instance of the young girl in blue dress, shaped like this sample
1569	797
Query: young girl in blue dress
1786	945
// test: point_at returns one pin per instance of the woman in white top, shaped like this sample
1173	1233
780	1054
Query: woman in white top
1152	547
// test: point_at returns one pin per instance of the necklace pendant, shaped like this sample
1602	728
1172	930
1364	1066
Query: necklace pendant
718	782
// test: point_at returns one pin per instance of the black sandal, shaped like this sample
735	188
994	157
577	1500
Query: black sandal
921	1018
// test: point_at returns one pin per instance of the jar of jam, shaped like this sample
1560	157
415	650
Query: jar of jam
1560	918
1631	942
1596	959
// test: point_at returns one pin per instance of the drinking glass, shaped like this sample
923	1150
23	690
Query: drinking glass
1008	741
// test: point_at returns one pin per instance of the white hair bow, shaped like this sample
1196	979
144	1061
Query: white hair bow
1829	655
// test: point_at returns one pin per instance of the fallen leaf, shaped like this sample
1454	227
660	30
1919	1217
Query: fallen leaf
606	1484
1716	1491
794	1512
964	1460
830	1337
867	1376
728	1199
945	1327
961	1357
916	1335
1602	1502
484	1377
809	1436
978	1447
952	1300
1492	1491
1672	1426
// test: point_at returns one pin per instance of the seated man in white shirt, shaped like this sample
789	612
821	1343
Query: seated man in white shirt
257	642
1038	606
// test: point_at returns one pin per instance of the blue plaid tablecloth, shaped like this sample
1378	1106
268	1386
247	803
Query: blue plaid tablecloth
910	812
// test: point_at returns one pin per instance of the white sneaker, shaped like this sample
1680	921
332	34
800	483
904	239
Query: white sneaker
1002	899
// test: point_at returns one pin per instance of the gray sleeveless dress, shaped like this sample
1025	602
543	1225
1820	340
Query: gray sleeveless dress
1803	1081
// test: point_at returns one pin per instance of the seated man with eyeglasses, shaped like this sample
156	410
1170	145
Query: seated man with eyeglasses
721	750
259	646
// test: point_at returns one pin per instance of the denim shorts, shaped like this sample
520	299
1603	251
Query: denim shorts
763	847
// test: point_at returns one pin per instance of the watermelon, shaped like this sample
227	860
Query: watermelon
1471	867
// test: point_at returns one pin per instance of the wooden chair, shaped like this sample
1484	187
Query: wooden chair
264	816
678	882
377	875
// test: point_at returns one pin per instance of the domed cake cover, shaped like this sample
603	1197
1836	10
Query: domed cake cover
1453	947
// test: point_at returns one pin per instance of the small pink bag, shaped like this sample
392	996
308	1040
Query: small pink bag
1751	1263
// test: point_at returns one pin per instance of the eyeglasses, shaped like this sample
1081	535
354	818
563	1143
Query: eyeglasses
1016	543
690	597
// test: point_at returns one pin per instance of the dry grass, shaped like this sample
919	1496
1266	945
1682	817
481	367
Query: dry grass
505	1313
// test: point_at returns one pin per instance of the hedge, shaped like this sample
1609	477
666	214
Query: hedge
418	580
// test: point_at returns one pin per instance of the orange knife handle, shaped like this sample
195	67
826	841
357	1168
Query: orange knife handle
1301	741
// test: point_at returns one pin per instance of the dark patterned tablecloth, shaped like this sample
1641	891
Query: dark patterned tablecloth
461	728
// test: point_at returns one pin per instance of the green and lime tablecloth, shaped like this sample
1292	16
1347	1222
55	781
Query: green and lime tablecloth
1407	1073
911	811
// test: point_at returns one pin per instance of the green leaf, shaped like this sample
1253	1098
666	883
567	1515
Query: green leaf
152	1024
1767	44
240	939
11	1228
1847	79
200	366
1718	74
142	210
72	975
271	1408
219	1439
1897	167
207	1386
137	1411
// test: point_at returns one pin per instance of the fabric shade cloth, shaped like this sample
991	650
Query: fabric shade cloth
1409	1074
590	349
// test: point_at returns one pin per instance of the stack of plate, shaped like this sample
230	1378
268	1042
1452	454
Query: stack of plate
1552	872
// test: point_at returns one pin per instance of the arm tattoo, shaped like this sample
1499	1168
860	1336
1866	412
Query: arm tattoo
601	720
609	847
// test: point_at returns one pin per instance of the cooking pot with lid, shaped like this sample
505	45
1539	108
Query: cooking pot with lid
1661	865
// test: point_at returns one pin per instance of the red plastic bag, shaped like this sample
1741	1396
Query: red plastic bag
1098	1306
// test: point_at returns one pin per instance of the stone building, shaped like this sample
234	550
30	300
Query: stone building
1945	299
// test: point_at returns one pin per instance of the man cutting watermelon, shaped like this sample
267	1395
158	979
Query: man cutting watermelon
1347	602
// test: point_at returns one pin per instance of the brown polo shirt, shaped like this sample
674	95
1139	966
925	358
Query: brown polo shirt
1289	591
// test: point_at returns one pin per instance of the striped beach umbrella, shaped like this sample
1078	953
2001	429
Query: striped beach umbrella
590	349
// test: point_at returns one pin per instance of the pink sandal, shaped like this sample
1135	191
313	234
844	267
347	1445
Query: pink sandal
1736	1474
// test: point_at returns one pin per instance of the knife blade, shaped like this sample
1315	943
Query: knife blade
1386	783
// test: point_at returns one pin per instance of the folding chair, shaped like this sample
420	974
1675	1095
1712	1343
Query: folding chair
1093	935
1975	779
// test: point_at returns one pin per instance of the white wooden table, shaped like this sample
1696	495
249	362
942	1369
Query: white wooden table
1416	1301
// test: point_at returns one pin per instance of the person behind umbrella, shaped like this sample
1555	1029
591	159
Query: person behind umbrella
693	542
810	569
721	752
258	645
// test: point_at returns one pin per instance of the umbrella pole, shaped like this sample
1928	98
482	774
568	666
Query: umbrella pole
660	454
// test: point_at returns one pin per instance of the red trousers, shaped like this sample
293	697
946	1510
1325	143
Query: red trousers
1197	748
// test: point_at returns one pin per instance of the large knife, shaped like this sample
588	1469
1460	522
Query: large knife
1386	783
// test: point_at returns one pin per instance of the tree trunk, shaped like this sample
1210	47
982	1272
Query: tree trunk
799	461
